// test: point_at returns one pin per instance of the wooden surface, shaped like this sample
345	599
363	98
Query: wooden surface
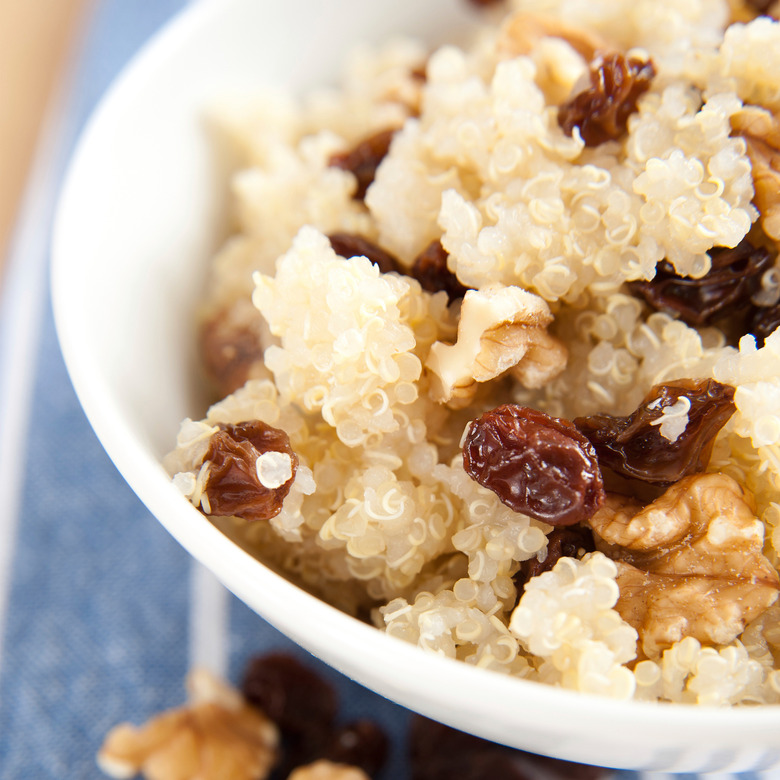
36	39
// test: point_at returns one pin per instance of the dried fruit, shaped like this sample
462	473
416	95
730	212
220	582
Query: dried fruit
251	471
431	271
571	541
726	289
352	245
536	464
364	159
216	736
689	564
298	700
764	322
360	744
669	435
601	112
430	267
438	752
232	343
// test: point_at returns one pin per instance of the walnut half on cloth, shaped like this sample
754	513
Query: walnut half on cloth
689	564
500	329
327	770
215	736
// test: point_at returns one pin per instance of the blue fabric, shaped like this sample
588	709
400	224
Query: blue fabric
96	627
97	624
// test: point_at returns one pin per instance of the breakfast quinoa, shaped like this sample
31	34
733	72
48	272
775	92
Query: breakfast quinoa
496	344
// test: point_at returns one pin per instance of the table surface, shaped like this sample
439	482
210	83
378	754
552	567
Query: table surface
101	613
37	41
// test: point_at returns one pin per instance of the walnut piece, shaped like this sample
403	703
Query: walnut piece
690	563
522	31
560	52
215	736
500	329
327	770
747	10
761	131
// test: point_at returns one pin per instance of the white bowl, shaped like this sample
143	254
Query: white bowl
140	214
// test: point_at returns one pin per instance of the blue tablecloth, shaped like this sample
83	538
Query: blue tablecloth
99	607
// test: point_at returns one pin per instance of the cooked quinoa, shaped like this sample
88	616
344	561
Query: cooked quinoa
377	376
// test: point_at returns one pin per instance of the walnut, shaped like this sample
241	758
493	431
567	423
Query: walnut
747	10
761	131
690	563
560	52
500	329
522	31
739	12
215	736
327	770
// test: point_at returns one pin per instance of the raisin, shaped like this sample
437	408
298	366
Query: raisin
635	446
301	704
364	159
726	289
362	744
764	322
562	542
430	270
484	3
420	73
233	487
601	112
539	465
438	752
352	245
232	345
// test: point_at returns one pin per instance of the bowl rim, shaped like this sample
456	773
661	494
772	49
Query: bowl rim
243	574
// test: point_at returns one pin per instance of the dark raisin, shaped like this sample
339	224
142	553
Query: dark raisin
231	344
233	487
438	752
431	271
571	541
601	112
539	465
362	744
484	3
420	73
301	704
726	289
634	446
430	267
364	159
764	322
352	245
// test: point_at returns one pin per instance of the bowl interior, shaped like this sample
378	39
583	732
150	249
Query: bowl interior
142	210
